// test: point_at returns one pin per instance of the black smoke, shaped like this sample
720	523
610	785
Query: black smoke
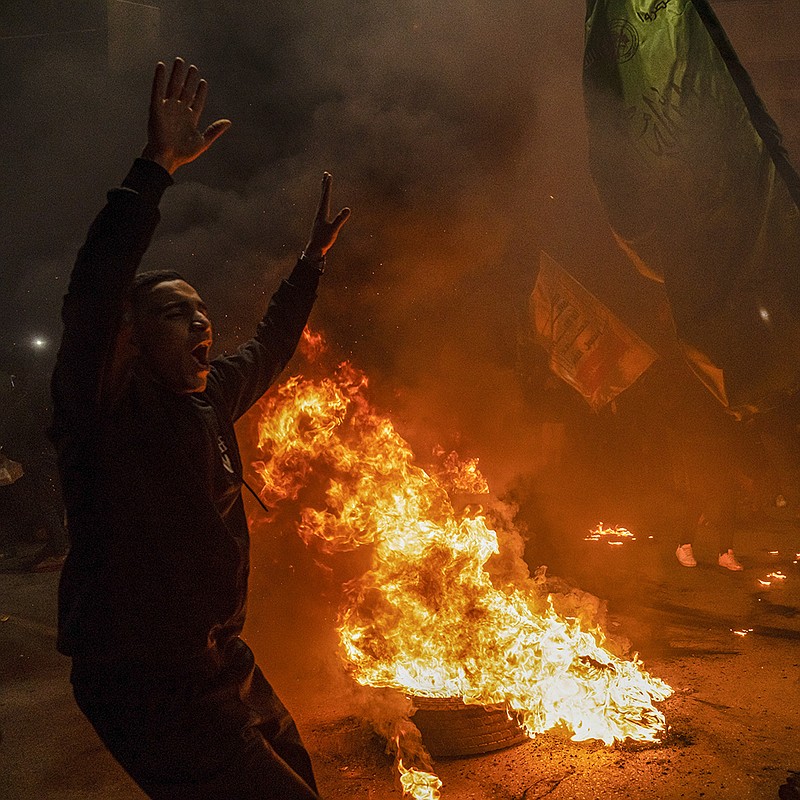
454	130
447	127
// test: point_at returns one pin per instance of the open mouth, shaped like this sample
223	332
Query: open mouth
200	354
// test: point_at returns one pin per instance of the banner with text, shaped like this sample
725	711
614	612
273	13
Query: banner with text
589	347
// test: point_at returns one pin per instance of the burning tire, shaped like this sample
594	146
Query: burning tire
451	728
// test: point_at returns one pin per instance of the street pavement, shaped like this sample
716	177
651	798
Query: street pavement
733	722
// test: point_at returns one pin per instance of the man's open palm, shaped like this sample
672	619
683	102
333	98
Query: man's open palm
173	136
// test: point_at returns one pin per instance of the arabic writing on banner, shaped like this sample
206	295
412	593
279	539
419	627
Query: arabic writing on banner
589	347
684	158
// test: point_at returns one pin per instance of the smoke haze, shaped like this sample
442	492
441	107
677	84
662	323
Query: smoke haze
447	128
454	130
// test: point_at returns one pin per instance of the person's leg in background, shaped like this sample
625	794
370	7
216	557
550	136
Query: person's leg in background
49	511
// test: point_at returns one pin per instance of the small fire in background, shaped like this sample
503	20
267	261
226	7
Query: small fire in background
795	560
773	579
444	610
615	537
742	632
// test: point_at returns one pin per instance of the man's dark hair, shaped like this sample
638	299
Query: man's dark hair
143	282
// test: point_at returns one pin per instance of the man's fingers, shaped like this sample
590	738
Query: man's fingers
175	84
159	86
199	101
190	85
340	220
214	131
325	199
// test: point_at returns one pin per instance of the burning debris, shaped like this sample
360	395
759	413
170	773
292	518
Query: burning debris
773	579
417	784
436	614
614	537
389	713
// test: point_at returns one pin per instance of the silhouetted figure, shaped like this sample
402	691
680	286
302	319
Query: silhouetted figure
701	449
153	592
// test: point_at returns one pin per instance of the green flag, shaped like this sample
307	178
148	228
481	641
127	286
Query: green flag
698	190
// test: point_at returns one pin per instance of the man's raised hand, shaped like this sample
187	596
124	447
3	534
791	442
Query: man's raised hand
324	230
173	137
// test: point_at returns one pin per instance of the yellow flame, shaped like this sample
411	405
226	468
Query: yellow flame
418	784
427	618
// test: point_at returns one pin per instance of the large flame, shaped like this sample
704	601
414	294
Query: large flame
428	618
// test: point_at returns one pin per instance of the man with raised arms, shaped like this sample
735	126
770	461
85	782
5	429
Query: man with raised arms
153	592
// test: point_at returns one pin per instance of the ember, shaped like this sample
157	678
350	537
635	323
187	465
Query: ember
431	617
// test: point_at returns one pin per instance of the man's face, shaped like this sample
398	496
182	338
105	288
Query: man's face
173	333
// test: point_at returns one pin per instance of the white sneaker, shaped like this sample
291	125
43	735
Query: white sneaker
728	560
686	556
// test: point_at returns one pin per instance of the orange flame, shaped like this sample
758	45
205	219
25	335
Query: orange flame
312	345
461	476
427	618
419	785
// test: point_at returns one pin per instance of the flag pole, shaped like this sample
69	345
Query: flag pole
764	124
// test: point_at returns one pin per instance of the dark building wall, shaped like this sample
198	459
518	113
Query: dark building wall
119	33
60	108
31	30
23	18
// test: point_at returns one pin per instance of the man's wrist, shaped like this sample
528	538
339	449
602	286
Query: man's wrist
314	260
148	179
161	159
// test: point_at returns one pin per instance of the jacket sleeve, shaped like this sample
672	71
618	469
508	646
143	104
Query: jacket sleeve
92	308
240	380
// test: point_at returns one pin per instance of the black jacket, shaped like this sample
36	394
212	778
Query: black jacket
158	566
